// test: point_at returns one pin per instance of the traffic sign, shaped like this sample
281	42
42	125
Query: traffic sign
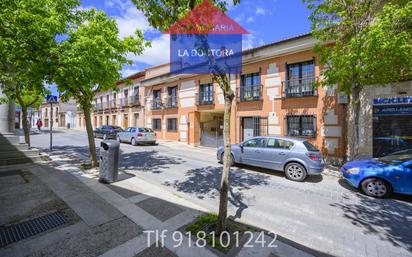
51	98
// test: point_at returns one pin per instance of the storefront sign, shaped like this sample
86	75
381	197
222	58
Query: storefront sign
392	110
393	100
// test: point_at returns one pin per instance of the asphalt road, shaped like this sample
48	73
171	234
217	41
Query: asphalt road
322	213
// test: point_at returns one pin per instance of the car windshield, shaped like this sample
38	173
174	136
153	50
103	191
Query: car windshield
310	147
397	158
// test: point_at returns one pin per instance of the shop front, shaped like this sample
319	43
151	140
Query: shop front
392	124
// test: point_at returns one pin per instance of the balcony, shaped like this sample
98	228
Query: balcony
114	104
98	107
156	104
134	100
205	98
171	101
300	87
124	102
250	93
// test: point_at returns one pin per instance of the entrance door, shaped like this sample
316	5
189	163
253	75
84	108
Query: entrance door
125	121
247	128
211	132
137	119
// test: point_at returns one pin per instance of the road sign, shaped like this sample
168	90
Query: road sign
51	98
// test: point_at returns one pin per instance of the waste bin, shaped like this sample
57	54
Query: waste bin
109	161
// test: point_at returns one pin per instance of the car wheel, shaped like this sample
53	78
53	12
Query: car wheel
296	172
231	162
376	187
133	142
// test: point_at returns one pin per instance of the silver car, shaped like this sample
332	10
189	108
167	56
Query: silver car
137	135
296	157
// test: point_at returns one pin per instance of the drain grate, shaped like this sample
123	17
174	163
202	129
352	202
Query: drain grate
16	232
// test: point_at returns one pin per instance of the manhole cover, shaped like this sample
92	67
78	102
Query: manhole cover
16	232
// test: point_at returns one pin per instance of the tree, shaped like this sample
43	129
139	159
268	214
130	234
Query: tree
161	14
362	43
28	30
90	59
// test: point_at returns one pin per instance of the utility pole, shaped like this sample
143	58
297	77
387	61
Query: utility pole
51	126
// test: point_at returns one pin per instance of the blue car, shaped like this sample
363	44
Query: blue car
382	176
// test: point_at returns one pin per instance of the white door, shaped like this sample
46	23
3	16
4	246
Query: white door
247	128
137	118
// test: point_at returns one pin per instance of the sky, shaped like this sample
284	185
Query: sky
266	20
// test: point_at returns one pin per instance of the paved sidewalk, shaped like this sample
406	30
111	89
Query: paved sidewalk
105	220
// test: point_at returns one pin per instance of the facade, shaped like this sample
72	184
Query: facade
275	95
64	115
386	118
122	108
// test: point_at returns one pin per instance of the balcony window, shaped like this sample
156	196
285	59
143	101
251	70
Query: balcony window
250	87
206	94
300	79
156	124
156	100
301	125
172	97
172	124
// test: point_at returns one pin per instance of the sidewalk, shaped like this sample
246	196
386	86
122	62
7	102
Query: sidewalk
105	220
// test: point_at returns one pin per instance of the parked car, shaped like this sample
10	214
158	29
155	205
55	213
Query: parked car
107	132
137	135
382	176
296	157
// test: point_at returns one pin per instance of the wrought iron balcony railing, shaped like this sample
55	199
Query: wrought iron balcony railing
204	98
171	101
250	93
156	104
134	100
300	87
124	102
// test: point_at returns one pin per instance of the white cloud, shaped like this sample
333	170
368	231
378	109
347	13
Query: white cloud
248	41
129	71
159	53
260	11
250	19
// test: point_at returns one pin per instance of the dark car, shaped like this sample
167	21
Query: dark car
107	132
386	145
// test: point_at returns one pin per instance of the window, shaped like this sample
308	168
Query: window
250	88
279	143
156	124
303	125
300	79
256	142
251	79
133	130
310	147
172	97
172	124
156	99
206	93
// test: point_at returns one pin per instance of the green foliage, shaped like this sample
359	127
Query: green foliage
28	30
161	14
91	57
363	42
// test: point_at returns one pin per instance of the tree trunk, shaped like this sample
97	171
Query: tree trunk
353	126
26	128
224	183
89	128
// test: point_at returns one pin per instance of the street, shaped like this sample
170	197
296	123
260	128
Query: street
322	213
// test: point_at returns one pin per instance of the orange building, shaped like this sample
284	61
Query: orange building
275	95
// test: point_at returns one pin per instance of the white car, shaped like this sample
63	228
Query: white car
137	135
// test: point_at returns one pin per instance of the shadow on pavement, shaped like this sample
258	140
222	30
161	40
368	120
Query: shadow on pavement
385	218
148	161
205	182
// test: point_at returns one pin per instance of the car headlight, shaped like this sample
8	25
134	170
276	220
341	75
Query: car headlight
353	171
